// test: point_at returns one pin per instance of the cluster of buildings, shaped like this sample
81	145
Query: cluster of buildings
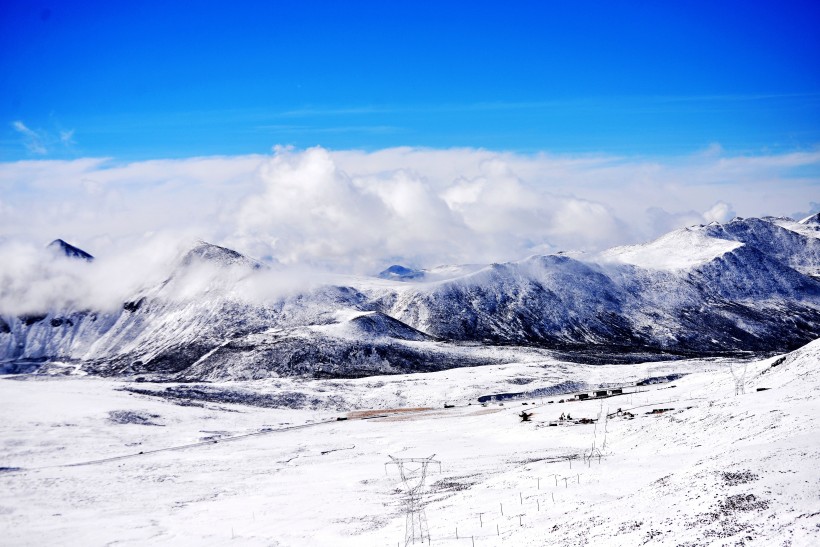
599	394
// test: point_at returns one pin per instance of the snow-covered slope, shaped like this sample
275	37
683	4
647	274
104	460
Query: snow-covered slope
795	247
702	289
747	285
691	462
809	226
678	250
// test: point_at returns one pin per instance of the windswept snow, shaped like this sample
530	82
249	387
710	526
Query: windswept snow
678	250
809	226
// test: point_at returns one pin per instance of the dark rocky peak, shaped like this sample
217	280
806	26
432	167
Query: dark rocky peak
66	249
381	325
400	273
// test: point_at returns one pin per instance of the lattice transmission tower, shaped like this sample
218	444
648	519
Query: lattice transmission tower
413	472
739	378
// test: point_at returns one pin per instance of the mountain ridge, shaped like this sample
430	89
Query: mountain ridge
748	285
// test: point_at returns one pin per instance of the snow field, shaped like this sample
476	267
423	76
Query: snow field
719	469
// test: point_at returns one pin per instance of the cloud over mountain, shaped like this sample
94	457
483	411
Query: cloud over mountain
358	211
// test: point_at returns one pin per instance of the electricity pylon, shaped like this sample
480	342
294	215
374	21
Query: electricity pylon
740	380
413	472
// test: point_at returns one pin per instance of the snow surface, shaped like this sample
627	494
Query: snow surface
86	462
678	250
808	227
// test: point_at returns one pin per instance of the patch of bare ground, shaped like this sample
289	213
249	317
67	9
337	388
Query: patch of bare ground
360	414
484	411
723	520
427	414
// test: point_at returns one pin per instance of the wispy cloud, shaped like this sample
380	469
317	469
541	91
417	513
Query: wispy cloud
34	141
67	137
284	129
41	142
582	102
308	112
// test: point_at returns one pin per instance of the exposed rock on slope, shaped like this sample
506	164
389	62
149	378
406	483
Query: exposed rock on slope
747	285
66	249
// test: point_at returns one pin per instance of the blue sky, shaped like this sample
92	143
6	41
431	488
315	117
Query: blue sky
138	80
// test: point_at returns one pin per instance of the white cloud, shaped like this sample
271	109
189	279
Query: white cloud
310	210
35	279
663	221
356	211
719	212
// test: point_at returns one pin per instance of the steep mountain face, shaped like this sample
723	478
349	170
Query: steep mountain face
747	285
545	300
740	300
791	248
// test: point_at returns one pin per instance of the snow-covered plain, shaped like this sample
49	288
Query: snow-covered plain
85	461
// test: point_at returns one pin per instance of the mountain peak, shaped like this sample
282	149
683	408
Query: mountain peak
69	250
214	254
400	273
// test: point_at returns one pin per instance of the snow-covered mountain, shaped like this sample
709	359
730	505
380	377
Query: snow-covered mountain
750	285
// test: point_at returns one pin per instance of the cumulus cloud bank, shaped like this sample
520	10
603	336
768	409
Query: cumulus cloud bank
310	210
357	212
